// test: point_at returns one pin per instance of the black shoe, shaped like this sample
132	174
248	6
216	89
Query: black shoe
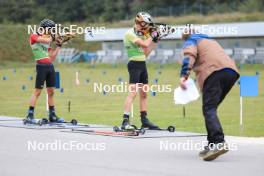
30	116
55	118
30	119
215	151
147	124
126	125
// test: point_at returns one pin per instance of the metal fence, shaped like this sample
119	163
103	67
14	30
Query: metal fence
161	56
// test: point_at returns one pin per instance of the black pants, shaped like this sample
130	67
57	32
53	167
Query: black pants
215	88
45	73
137	72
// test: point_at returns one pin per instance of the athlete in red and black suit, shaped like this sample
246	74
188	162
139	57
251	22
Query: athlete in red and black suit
44	55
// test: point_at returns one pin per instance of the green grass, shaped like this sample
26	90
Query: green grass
92	107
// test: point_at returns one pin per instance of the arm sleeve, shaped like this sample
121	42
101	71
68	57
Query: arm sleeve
33	38
190	56
132	37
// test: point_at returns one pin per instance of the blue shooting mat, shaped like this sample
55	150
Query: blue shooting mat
249	86
14	122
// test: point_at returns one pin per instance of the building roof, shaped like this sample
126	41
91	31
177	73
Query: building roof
223	30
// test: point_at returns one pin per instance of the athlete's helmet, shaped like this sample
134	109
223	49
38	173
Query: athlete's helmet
144	19
47	23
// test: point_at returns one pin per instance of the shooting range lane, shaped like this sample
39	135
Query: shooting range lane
14	122
121	156
92	129
147	133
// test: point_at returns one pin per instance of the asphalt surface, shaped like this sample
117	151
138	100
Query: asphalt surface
114	156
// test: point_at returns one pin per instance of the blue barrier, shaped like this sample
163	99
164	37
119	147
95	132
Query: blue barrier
57	80
248	86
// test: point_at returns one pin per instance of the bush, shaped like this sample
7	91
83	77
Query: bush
252	6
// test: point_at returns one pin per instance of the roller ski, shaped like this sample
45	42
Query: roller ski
131	130
169	129
115	132
55	120
31	120
125	130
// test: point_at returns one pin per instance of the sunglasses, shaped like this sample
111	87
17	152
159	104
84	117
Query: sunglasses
141	23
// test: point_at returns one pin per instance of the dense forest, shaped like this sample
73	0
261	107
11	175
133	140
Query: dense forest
32	11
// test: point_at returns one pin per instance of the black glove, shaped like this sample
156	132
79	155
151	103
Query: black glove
155	36
58	44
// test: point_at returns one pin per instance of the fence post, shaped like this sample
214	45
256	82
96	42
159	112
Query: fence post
201	9
170	10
